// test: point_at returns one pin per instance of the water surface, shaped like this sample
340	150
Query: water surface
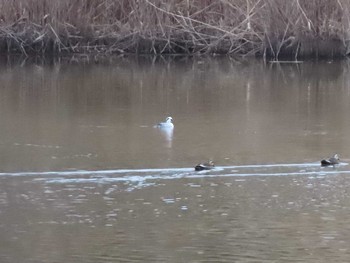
85	176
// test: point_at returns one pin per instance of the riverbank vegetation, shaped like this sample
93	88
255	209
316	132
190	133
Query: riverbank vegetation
268	28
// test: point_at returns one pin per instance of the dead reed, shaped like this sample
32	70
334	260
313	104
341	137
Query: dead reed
270	28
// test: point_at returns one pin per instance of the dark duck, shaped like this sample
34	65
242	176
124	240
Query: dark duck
204	166
331	161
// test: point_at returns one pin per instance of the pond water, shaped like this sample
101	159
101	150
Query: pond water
86	177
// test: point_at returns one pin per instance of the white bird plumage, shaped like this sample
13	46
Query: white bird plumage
167	124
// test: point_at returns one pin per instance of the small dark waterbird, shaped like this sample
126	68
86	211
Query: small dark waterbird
331	161
204	166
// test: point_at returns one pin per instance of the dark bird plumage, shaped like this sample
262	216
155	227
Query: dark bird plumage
204	166
331	161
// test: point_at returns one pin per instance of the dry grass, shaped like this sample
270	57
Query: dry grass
272	28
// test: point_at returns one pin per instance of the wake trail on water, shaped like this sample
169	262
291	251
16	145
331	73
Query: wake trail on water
142	175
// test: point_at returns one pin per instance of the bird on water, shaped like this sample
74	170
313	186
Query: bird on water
204	166
167	124
331	161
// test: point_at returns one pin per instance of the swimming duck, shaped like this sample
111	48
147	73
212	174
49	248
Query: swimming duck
331	161
167	124
204	166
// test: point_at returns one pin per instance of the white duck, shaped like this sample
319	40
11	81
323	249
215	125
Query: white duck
167	124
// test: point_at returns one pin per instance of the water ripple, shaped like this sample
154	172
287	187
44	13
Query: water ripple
139	178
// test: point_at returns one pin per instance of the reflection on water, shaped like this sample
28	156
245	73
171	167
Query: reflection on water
167	134
88	116
86	177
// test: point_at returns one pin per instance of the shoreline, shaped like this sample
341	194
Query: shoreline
313	49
